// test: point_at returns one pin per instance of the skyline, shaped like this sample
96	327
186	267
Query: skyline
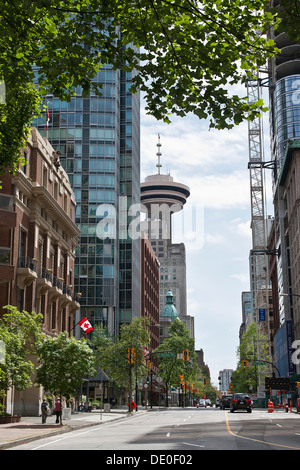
213	164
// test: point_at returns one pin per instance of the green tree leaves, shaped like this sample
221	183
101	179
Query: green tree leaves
254	346
63	362
187	55
20	332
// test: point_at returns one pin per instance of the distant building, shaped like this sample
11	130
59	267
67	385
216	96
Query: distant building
200	361
225	379
161	196
167	316
150	290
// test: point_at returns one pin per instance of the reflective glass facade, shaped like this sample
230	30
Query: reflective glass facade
287	113
99	141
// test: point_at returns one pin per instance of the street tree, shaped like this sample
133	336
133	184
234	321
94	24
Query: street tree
20	332
171	368
184	55
289	16
254	347
63	363
123	358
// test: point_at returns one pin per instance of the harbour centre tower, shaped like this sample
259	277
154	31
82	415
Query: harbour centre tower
98	138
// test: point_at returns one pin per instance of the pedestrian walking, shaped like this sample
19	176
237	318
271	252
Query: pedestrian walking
57	410
45	409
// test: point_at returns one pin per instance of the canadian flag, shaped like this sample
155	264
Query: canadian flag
85	325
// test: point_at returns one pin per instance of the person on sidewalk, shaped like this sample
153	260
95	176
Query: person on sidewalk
57	410
45	409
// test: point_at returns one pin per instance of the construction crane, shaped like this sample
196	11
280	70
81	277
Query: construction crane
259	265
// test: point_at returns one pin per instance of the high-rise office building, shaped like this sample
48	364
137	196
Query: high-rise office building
99	141
161	197
284	92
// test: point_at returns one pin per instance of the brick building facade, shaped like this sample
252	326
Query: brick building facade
38	238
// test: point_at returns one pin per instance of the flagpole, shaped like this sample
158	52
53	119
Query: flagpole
73	328
47	119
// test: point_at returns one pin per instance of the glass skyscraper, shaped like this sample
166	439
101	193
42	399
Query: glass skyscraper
99	141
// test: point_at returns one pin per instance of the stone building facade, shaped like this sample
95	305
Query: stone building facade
38	238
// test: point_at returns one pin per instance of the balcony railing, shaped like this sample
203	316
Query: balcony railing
27	262
58	282
67	290
46	274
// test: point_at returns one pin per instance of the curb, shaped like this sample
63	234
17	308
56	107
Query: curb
68	428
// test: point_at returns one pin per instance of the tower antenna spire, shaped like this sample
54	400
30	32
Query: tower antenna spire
158	153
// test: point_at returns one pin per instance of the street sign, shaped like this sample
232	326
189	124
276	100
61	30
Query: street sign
277	383
262	314
167	354
258	363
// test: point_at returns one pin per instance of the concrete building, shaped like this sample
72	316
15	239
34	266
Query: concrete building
247	317
289	181
38	238
225	379
201	363
284	72
161	197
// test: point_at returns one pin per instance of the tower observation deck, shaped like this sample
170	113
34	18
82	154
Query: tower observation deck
162	189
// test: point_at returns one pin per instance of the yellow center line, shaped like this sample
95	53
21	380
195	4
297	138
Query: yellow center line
255	440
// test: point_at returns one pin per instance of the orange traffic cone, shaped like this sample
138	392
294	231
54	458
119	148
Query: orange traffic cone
270	407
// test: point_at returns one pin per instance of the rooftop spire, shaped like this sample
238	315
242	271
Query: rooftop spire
158	153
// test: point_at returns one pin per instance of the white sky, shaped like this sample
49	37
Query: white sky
214	165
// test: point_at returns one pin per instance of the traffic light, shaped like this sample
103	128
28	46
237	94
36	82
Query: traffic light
181	379
204	381
131	355
244	364
185	355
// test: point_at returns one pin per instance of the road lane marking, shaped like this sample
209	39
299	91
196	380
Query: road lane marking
255	440
189	444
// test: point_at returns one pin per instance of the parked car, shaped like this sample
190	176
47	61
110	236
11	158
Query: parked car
201	403
225	401
218	401
241	401
207	402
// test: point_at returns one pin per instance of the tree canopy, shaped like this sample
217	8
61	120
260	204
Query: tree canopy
171	368
186	54
20	332
254	347
63	362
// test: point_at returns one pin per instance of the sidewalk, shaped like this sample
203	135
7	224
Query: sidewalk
31	428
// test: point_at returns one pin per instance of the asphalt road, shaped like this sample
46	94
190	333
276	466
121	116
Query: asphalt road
182	432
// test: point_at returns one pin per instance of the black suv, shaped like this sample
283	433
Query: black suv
241	401
225	402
